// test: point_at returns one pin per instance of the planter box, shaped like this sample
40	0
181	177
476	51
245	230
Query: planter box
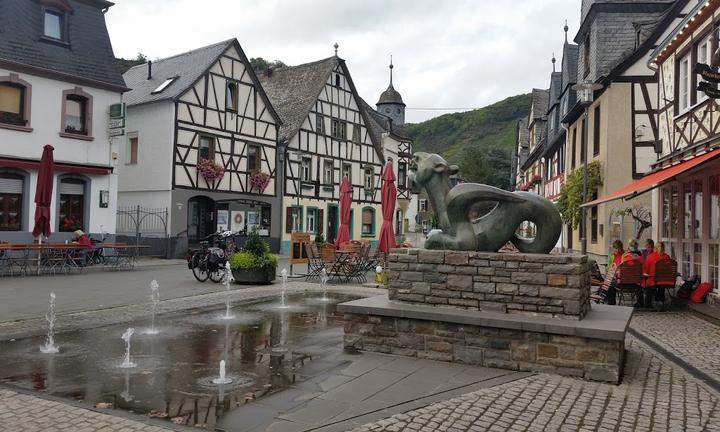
254	277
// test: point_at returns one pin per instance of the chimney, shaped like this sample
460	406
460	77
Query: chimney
149	69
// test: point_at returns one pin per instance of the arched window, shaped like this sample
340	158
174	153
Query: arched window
368	222
72	204
12	187
14	102
76	113
231	97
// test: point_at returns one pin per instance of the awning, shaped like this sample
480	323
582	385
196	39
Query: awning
29	164
655	179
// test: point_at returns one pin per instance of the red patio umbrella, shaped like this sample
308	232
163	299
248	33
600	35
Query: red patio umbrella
346	191
43	194
387	200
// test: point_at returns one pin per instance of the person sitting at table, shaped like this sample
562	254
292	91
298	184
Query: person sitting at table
649	248
615	257
649	270
633	251
80	238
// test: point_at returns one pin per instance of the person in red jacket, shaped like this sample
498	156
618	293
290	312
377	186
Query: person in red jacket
82	239
649	269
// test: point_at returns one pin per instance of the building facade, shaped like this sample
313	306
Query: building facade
57	84
686	178
325	137
618	128
202	142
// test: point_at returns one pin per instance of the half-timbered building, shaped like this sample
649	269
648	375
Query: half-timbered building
617	128
57	84
202	141
685	180
326	137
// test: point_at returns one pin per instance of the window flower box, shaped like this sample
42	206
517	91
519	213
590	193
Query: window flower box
210	170
259	181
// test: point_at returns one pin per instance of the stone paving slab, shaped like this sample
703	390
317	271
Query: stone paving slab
655	396
24	413
693	339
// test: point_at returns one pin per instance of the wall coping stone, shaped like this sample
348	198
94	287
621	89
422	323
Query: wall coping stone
602	322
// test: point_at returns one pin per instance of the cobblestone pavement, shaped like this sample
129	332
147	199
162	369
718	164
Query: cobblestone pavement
685	335
655	396
23	413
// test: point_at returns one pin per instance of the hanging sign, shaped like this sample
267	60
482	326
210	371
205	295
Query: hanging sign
707	72
709	90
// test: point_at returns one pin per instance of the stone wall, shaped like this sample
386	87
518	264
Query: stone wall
555	286
588	358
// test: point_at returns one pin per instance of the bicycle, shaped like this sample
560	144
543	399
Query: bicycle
208	262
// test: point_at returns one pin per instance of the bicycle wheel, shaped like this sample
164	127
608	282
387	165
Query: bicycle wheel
218	275
200	268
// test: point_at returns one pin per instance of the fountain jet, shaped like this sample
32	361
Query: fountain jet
50	347
126	337
222	379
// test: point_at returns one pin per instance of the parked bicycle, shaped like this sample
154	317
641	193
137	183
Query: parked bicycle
209	261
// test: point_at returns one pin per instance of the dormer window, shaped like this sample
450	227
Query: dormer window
53	24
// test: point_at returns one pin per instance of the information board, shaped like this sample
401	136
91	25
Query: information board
298	253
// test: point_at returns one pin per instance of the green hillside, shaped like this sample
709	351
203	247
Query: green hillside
480	141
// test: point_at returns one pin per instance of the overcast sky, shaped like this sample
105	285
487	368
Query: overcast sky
447	54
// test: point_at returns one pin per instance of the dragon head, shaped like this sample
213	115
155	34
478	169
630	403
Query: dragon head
425	166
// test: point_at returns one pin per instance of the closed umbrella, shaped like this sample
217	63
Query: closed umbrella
345	204
387	201
43	194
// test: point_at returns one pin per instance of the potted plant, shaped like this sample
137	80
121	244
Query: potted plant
210	170
253	264
259	180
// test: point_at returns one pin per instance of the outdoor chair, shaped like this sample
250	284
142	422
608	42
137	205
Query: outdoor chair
666	279
629	279
315	261
356	266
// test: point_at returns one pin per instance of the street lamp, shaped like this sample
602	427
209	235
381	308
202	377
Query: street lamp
586	94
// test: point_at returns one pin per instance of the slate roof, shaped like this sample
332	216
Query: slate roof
88	57
569	65
539	103
188	67
294	89
379	123
555	89
523	134
390	96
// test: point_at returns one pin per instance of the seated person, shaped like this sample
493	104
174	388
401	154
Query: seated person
633	251
82	257
649	269
79	237
649	248
615	257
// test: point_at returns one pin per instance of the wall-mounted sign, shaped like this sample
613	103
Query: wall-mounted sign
711	77
117	110
222	220
104	199
116	122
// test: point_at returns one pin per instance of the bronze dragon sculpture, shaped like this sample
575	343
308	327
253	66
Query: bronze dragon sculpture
493	230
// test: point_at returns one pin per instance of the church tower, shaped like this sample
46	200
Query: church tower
391	103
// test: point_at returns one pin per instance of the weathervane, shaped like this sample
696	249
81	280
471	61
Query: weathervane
336	46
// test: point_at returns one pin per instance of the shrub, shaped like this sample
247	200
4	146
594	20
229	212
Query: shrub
254	256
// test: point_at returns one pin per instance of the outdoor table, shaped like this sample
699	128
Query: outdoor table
123	256
339	266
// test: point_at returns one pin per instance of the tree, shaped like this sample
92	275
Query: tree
259	64
486	165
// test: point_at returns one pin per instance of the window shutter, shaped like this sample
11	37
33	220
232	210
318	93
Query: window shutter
288	220
11	185
367	217
319	222
72	188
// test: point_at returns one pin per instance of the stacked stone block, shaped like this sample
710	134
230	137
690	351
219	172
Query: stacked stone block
536	285
592	359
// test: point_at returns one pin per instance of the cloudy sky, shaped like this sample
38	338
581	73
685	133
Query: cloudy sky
448	54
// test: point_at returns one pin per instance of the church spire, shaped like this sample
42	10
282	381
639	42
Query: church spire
553	61
336	46
566	28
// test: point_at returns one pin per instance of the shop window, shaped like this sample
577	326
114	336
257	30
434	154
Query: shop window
368	221
674	211
71	207
11	201
688	222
